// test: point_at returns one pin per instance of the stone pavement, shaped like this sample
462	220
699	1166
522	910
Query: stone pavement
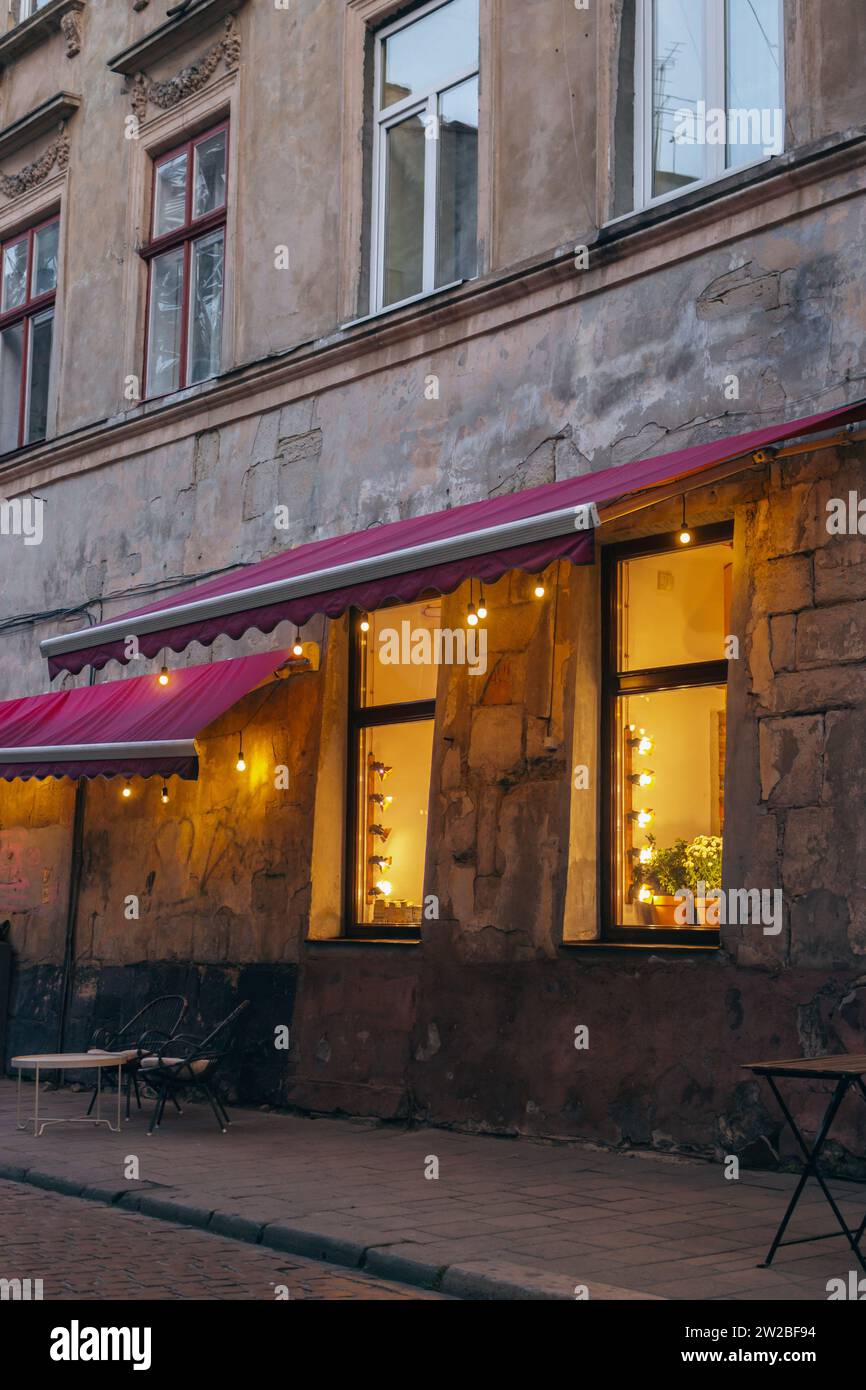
504	1219
82	1251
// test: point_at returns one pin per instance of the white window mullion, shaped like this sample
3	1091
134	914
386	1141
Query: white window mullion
431	176
643	103
716	80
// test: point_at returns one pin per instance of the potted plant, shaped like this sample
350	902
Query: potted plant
687	864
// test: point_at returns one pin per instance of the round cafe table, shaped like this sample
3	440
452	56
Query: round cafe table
70	1061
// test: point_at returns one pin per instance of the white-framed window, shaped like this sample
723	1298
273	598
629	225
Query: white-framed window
26	8
425	152
709	91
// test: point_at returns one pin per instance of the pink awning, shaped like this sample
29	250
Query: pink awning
134	727
400	561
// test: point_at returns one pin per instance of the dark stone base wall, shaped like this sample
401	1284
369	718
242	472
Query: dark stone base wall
105	996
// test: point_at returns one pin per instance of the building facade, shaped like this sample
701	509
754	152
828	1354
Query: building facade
276	273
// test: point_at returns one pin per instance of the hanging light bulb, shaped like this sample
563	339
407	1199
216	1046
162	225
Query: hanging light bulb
482	606
164	794
685	536
472	616
163	676
127	790
241	765
539	590
297	649
364	624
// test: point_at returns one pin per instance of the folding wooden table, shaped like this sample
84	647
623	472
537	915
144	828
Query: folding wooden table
847	1072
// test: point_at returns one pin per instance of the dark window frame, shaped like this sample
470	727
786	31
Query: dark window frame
368	717
615	684
192	230
31	307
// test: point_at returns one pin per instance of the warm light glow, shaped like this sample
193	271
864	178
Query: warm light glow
240	764
364	625
646	894
685	538
164	795
646	855
297	650
163	676
645	779
482	610
127	791
643	745
645	817
539	591
472	616
384	887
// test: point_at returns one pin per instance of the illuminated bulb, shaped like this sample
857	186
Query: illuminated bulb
685	537
384	887
645	779
643	745
646	894
539	591
241	763
646	855
127	790
645	817
164	795
482	610
364	625
472	616
297	650
163	676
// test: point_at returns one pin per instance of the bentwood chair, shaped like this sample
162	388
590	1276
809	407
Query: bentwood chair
146	1031
184	1064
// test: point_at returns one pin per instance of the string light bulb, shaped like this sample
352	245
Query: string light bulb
646	855
685	536
241	765
364	624
482	609
539	590
127	790
472	615
164	794
163	676
297	649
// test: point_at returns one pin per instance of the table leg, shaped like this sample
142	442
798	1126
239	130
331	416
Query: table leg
119	1088
811	1169
36	1106
18	1124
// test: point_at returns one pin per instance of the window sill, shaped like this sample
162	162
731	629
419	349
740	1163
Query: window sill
604	946
37	29
401	304
377	941
160	42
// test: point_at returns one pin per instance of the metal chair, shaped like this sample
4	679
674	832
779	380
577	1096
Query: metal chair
147	1030
183	1064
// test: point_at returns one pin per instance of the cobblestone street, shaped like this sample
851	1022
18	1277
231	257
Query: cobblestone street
83	1250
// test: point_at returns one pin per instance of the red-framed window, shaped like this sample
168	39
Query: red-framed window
28	266
186	263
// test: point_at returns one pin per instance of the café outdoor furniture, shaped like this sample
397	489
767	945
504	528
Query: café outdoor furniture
185	1064
846	1073
71	1061
147	1030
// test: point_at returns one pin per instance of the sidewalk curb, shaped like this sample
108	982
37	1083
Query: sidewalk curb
485	1280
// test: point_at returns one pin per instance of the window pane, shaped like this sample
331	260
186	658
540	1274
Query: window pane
15	273
209	182
669	828
398	654
457	213
393	788
206	304
45	259
164	325
678	86
11	360
425	54
675	607
170	196
755	120
41	328
404	209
